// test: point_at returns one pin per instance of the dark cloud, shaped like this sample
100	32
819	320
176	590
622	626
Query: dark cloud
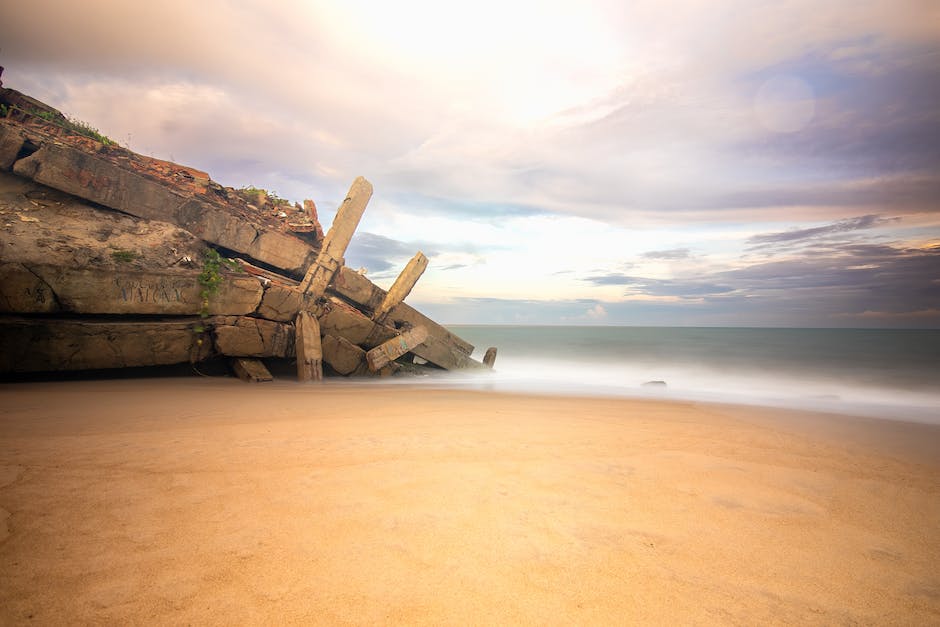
661	287
378	253
841	226
879	118
672	254
839	281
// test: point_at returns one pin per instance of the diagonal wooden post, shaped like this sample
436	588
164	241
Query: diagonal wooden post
402	286
395	348
337	239
308	349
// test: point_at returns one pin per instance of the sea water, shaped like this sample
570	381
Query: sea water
876	372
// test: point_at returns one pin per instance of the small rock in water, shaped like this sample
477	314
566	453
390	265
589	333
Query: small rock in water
654	384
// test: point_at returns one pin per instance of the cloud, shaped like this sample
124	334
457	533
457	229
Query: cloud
595	109
841	226
679	288
604	128
841	280
378	253
597	312
672	254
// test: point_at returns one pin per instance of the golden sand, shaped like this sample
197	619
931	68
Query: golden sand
216	502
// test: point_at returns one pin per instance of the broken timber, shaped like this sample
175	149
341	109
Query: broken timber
251	370
490	357
395	348
309	351
79	299
337	239
402	286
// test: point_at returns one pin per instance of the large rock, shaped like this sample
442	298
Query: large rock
342	355
104	291
47	344
339	319
252	337
11	142
280	303
98	180
23	291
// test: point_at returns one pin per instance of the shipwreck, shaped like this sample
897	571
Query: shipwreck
110	259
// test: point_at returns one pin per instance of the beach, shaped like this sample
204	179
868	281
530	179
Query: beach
210	501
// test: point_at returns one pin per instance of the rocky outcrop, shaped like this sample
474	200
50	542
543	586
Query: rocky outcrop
108	259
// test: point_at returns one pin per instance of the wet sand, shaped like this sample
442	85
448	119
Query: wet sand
216	502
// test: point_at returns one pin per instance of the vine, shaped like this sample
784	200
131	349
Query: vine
210	279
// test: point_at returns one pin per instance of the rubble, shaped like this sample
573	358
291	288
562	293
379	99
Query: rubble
102	265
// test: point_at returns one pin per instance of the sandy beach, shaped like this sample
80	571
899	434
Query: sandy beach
194	501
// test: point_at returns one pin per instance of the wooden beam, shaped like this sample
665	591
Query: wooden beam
402	285
490	357
395	348
309	349
344	225
251	370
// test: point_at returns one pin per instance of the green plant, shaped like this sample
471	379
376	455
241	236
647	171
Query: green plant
88	131
4	110
210	280
250	191
123	255
70	124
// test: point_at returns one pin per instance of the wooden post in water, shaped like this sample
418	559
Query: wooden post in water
395	348
402	286
337	239
490	357
308	347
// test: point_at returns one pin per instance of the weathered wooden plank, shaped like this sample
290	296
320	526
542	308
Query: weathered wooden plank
490	357
347	218
309	350
442	348
395	348
250	370
50	345
402	285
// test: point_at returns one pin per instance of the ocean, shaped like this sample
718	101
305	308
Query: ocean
873	372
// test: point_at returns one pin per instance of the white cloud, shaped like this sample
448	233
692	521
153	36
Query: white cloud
596	313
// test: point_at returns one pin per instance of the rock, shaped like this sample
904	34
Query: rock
166	292
280	303
22	291
341	320
91	178
48	344
252	337
11	142
342	355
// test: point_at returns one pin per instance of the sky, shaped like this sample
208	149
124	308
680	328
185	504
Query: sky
694	163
